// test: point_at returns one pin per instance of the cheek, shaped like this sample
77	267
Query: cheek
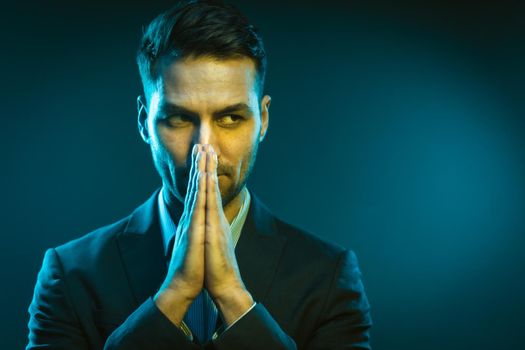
237	148
174	145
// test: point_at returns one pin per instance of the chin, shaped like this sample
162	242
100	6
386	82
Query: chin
229	193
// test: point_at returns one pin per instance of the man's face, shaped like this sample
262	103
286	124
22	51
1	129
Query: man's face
206	101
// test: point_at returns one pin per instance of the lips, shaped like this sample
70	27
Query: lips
186	176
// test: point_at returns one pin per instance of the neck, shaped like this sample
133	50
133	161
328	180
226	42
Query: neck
232	208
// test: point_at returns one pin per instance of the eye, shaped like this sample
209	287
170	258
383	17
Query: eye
177	120
229	120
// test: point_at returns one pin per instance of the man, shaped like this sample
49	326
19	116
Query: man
202	263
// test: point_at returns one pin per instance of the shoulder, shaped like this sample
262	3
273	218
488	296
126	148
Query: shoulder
308	240
299	241
92	245
100	246
307	248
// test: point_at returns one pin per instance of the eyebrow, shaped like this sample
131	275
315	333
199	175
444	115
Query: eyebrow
173	109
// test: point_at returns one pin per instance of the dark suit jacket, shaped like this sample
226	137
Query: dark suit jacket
96	291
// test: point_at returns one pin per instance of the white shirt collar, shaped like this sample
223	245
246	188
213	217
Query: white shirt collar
168	228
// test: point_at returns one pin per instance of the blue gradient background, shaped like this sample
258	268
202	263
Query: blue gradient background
397	129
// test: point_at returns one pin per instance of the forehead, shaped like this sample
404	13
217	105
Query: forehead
206	82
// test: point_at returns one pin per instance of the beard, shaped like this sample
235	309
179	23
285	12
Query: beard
176	179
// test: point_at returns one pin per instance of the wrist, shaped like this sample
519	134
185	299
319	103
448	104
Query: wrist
172	304
234	304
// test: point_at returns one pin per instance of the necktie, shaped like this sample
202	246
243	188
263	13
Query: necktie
201	316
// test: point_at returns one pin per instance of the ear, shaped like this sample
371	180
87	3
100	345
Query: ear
265	116
142	118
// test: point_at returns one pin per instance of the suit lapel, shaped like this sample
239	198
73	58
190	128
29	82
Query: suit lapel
259	249
141	250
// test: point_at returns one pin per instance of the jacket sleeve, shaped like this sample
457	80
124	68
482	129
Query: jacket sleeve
148	328
255	330
346	320
54	323
344	323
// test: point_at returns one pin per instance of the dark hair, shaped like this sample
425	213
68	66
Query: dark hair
200	28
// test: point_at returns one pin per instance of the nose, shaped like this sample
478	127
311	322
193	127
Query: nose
204	134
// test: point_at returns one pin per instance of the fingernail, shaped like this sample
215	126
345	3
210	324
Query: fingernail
195	149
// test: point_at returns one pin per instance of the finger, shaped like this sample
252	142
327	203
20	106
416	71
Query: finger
198	210
212	219
213	199
215	177
195	181
191	195
198	206
189	186
191	176
200	177
210	158
213	161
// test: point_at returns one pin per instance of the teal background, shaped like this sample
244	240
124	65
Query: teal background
397	129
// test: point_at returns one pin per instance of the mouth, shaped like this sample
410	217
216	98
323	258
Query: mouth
186	176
